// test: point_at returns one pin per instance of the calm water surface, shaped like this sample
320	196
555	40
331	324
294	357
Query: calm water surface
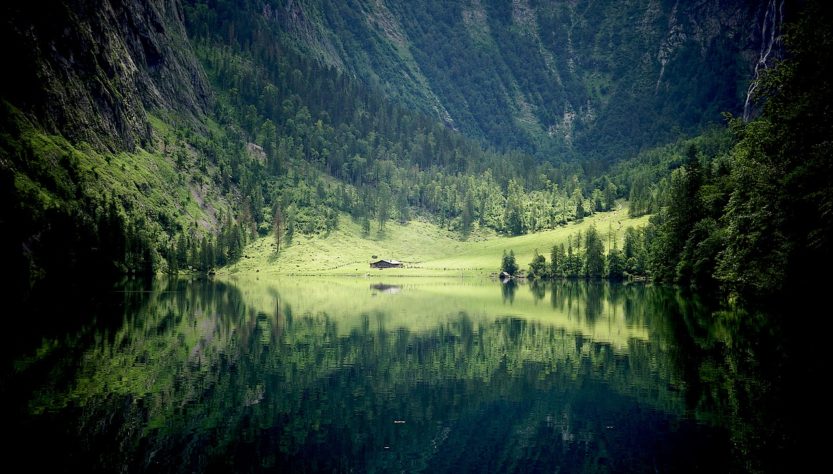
363	375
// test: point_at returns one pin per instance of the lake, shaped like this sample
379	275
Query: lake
413	375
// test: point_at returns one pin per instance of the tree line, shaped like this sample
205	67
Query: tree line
584	256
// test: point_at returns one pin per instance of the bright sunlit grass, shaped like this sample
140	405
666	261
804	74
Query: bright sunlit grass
426	249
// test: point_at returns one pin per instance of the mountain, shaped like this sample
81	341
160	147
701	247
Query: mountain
87	175
138	137
584	79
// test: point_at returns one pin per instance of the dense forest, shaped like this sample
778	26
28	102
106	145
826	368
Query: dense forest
230	126
755	219
746	208
282	136
743	209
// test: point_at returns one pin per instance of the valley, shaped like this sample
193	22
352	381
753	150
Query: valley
606	228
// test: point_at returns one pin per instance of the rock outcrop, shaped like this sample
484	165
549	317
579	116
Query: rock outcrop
91	70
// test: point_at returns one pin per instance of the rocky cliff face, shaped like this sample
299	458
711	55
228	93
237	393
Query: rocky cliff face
91	70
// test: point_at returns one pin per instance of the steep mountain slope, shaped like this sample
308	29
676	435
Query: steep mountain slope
91	178
92	70
583	78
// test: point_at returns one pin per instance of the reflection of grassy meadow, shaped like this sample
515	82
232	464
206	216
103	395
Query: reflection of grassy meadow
426	249
595	310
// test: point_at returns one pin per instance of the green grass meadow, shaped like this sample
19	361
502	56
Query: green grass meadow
424	248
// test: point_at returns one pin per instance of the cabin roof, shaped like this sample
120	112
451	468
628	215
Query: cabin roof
394	262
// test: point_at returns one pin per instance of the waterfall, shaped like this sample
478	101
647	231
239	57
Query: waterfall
770	36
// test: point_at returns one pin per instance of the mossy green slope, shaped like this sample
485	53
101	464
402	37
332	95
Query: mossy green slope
53	177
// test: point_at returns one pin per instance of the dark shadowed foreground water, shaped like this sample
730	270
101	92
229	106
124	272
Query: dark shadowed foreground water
368	376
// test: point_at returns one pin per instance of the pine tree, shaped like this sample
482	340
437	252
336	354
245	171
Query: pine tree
594	254
538	266
615	264
578	200
402	207
570	267
509	265
383	205
515	222
610	195
171	257
467	215
277	228
557	261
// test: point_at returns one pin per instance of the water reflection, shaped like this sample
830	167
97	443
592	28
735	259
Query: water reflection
507	288
385	288
311	375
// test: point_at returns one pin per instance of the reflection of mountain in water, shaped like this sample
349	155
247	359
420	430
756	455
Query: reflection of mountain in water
207	378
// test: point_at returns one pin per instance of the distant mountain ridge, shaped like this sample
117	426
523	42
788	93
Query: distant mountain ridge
583	78
587	80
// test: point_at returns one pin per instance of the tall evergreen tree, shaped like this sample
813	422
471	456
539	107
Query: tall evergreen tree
557	261
593	254
615	264
277	228
509	265
538	266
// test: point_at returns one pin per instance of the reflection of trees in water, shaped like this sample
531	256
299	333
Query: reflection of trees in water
594	291
615	293
729	365
538	289
642	305
584	300
734	363
564	295
725	364
198	371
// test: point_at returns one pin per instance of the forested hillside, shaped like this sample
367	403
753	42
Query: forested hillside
128	147
312	120
583	79
757	219
105	116
742	208
745	208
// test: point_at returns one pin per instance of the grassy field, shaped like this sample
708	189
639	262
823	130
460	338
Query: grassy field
426	249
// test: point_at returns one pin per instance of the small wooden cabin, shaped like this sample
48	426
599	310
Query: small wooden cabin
380	264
